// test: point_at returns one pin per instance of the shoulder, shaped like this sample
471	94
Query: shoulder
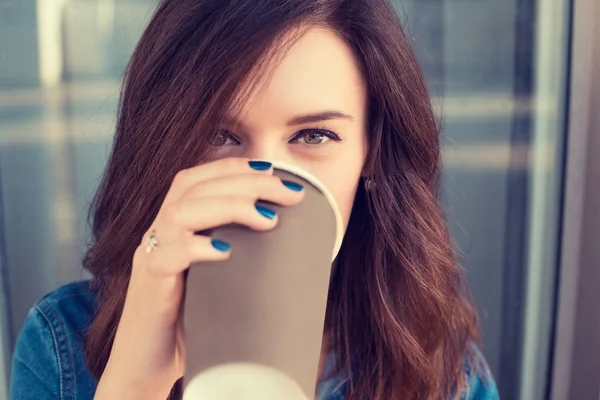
73	303
67	311
481	384
64	313
48	358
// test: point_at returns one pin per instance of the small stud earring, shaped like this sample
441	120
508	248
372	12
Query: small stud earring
370	184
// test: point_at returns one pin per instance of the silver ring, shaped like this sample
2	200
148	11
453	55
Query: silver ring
151	241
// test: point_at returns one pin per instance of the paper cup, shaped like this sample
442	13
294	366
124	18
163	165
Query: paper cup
254	323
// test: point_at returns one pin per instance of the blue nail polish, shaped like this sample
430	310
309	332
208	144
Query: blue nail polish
293	186
266	211
260	165
220	245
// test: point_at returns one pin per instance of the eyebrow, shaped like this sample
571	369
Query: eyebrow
321	116
301	119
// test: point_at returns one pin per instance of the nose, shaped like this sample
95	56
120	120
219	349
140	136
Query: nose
265	151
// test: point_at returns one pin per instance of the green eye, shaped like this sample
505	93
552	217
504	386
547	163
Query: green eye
315	137
223	138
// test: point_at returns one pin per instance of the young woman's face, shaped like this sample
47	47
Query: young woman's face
310	112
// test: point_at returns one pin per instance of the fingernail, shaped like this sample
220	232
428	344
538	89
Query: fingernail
293	185
266	211
260	165
220	245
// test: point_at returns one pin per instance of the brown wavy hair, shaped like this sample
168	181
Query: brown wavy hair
400	315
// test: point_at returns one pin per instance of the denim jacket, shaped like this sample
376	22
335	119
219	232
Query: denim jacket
48	360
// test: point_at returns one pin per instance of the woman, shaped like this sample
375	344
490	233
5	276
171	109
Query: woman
214	88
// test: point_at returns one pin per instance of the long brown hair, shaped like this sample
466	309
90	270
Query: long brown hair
399	314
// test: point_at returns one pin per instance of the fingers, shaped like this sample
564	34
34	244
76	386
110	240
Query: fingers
192	215
264	187
187	178
219	193
175	257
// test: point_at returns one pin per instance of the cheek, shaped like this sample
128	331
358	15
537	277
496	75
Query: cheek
344	191
342	175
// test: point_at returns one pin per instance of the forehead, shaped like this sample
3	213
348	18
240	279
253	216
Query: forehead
317	71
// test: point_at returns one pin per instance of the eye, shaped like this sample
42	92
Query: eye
314	136
224	138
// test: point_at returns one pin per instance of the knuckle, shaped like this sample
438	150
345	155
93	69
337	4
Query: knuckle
172	213
242	210
264	184
181	178
199	190
238	207
275	182
255	186
243	203
230	201
234	164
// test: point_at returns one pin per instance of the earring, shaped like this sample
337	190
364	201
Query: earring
370	185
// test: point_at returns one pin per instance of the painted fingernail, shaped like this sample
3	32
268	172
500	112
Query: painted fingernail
292	185
220	245
260	165
266	211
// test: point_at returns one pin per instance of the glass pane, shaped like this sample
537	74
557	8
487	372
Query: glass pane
497	73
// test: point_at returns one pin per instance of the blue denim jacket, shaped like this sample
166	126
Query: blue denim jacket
48	361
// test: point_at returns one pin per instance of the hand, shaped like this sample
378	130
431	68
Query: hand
147	356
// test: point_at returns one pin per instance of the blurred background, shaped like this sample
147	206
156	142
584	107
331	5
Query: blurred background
511	80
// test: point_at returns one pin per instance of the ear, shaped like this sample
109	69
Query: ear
367	170
367	157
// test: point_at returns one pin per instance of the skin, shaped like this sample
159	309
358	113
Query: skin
318	76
